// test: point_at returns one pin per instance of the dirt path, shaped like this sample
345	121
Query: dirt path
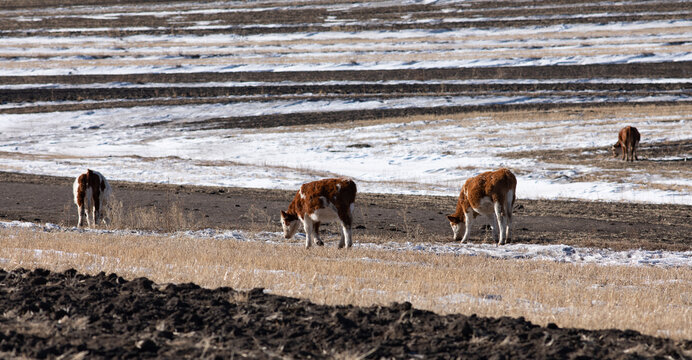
378	217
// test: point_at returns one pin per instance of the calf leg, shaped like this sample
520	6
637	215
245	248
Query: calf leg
508	212
90	217
500	222
342	240
316	229
493	226
96	201
632	152
345	219
624	151
82	214
468	218
309	228
348	235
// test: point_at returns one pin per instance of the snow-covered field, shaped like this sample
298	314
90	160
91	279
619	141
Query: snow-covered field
423	157
620	42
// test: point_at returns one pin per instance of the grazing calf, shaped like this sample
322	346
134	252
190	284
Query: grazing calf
492	194
628	139
321	201
91	193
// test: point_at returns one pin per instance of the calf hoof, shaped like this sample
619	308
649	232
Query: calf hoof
319	243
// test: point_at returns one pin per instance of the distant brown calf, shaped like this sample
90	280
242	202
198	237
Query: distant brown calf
628	139
321	201
491	193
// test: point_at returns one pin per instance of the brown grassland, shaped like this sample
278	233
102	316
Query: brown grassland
652	300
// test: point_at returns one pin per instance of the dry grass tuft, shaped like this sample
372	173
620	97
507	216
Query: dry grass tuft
260	220
168	219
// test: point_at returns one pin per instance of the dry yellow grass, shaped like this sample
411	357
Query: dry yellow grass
651	300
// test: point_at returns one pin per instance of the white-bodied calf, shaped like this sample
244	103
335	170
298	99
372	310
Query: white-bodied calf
91	193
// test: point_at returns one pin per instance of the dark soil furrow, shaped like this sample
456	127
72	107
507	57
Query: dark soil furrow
332	117
50	314
682	69
617	89
249	29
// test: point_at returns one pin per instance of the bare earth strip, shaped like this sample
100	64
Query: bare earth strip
382	217
681	69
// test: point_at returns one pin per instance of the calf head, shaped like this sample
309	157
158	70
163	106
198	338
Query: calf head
614	149
456	222
289	223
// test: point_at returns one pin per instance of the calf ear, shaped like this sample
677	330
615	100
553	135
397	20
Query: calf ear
453	219
287	216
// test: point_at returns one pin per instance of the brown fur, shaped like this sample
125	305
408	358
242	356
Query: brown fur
93	181
338	194
492	184
628	139
326	188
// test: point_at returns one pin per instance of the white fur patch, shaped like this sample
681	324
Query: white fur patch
324	215
486	206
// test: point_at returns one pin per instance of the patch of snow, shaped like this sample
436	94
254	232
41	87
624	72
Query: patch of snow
423	157
58	54
231	84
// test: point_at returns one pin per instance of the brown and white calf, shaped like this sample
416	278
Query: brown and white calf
492	194
628	139
321	201
91	193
